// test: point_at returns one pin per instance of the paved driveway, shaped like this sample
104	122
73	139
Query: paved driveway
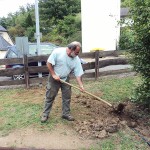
112	67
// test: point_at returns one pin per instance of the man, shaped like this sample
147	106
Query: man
61	63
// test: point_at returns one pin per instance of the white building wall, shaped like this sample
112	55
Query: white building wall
100	27
2	54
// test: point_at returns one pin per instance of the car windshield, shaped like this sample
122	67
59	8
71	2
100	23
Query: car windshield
11	53
44	48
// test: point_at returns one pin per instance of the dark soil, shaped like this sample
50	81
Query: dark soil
98	120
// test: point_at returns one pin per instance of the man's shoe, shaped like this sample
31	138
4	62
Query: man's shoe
44	119
69	118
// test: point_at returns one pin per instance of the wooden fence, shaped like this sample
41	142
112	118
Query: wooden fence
96	62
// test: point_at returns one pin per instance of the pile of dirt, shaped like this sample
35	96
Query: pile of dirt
97	120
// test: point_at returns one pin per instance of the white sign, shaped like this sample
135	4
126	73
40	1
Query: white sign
22	45
100	27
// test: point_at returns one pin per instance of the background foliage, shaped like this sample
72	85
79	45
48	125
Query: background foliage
136	37
60	21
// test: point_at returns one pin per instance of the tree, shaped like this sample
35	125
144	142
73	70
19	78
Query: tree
16	31
140	53
29	21
29	32
51	12
3	22
58	21
57	9
125	3
126	38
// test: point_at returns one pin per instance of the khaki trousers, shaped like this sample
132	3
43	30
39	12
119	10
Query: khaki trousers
52	89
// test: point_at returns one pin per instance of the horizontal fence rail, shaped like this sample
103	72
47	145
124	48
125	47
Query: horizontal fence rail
98	61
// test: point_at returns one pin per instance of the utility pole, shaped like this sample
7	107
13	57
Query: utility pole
37	32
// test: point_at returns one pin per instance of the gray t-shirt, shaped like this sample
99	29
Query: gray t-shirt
63	64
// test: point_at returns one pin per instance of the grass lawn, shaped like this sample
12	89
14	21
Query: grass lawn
21	108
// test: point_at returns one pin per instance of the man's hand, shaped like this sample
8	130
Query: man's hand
57	78
51	70
82	88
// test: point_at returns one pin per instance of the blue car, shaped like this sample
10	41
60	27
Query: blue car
45	48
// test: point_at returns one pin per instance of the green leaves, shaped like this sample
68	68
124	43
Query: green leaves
141	50
136	37
58	8
58	21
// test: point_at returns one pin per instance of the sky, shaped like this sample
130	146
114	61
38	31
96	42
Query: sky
11	6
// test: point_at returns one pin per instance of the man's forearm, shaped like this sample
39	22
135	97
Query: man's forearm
79	80
50	68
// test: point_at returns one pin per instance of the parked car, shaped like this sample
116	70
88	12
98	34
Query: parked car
45	48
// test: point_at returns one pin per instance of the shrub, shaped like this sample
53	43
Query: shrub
140	54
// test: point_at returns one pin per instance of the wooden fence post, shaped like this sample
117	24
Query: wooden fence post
25	62
96	64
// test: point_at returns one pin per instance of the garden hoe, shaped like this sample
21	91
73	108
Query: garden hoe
119	109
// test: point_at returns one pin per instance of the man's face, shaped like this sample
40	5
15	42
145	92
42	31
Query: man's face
75	52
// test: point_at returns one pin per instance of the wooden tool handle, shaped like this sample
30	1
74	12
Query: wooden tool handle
87	93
